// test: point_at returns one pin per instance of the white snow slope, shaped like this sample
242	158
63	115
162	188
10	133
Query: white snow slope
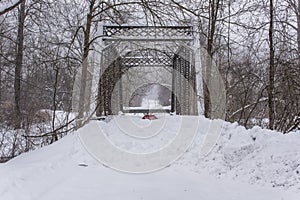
244	164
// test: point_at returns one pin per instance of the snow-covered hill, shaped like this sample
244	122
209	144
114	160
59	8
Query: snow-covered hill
244	164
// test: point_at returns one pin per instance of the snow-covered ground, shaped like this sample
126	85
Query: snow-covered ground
244	164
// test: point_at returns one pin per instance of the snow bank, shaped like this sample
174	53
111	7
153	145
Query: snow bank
256	156
248	164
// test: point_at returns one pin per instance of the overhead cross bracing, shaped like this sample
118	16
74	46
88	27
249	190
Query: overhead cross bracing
148	33
147	57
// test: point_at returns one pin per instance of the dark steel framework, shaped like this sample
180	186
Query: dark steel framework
179	62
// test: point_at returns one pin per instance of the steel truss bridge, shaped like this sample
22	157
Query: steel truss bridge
166	50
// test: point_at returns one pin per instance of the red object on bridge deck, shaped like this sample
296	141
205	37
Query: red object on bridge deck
149	116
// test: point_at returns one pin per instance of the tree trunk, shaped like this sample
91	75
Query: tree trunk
54	134
1	50
18	64
213	13
271	68
85	59
298	26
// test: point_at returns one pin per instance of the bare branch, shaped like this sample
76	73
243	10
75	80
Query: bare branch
2	12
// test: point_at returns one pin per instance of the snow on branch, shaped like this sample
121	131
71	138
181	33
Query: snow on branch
9	6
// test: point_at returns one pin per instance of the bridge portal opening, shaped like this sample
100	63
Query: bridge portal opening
151	96
134	65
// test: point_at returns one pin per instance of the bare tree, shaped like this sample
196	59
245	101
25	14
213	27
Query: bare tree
294	6
19	62
271	67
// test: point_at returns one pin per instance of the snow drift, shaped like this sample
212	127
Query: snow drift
244	164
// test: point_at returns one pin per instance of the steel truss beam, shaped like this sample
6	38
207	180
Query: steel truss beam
148	33
147	57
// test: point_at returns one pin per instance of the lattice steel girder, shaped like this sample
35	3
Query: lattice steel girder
148	33
131	62
147	57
